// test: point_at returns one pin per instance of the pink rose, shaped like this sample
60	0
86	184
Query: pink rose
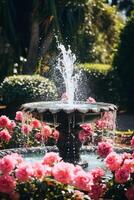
11	126
51	158
35	123
97	174
24	172
17	158
87	128
132	142
26	129
122	175
113	161
47	170
7	184
130	193
7	164
38	136
38	169
56	135
101	124
83	180
82	136
77	168
19	116
104	148
5	136
4	121
97	191
63	173
46	131
91	100
129	165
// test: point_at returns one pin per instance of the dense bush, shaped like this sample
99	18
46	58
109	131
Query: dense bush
124	64
20	89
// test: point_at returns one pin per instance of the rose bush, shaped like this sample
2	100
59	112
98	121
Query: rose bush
25	131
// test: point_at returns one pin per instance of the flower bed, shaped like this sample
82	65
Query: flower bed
25	131
54	179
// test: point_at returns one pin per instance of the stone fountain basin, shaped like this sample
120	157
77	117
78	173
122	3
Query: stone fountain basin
58	106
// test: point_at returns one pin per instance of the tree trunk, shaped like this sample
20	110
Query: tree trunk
33	49
46	43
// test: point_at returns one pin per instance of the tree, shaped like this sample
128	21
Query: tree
124	63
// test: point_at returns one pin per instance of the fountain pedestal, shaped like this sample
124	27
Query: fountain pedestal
67	119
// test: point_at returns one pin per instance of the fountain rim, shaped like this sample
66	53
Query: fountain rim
47	149
58	106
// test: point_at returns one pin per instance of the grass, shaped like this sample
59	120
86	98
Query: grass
95	67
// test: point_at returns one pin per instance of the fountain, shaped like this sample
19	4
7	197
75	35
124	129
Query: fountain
67	115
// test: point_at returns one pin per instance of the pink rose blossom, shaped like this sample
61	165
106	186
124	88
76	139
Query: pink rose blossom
56	135
35	123
63	173
97	174
51	158
17	158
77	168
38	169
46	131
82	136
24	172
87	128
19	116
104	148
47	170
91	100
113	161
101	124
7	164
129	165
38	136
130	193
11	126
7	184
26	129
83	180
122	175
4	121
132	142
97	191
5	136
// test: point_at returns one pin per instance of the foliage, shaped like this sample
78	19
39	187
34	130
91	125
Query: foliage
95	67
91	28
123	64
23	88
101	32
25	131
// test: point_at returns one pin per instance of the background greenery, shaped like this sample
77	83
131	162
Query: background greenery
98	33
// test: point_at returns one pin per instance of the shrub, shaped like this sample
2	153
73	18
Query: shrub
123	64
95	67
24	88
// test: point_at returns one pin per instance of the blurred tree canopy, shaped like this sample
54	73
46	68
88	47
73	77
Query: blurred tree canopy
123	64
27	30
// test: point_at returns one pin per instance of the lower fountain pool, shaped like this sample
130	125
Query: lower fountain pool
88	155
